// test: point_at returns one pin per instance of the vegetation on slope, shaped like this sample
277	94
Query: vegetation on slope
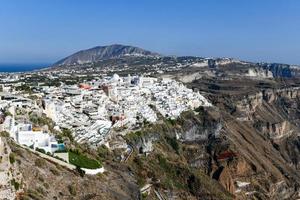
83	161
167	168
40	179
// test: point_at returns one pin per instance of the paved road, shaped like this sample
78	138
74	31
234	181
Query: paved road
158	195
130	153
67	165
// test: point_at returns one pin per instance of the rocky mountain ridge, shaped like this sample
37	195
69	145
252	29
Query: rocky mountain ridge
102	53
137	60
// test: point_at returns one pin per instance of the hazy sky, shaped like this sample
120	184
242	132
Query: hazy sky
44	31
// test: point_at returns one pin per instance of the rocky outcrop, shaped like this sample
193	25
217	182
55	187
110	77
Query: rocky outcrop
278	130
226	180
146	145
248	104
259	73
194	130
289	93
278	70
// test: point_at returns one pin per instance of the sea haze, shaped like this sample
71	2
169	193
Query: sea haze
21	67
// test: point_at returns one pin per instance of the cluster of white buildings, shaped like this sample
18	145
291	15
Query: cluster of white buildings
92	109
25	134
172	98
21	130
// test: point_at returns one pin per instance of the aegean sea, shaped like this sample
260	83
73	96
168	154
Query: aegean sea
21	67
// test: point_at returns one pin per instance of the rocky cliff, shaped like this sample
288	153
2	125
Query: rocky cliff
247	144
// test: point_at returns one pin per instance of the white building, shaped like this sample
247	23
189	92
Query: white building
36	139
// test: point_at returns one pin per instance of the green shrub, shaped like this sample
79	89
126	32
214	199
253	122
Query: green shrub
41	190
54	171
7	113
15	184
162	162
12	158
40	150
200	109
46	185
103	151
18	151
173	143
42	121
171	122
24	88
67	133
31	194
72	189
41	179
134	136
39	162
4	134
144	195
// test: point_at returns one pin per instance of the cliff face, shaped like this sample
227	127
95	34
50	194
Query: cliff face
264	128
226	151
247	144
179	164
281	70
274	112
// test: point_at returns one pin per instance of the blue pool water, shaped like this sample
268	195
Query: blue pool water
61	147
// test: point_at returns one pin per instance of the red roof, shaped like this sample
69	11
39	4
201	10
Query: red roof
84	86
226	155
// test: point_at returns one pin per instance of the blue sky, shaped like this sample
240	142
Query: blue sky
35	31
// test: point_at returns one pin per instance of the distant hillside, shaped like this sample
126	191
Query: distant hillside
102	53
136	60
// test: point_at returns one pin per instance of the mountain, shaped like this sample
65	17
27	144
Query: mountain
103	53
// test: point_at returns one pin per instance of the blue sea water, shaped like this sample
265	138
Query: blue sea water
21	67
